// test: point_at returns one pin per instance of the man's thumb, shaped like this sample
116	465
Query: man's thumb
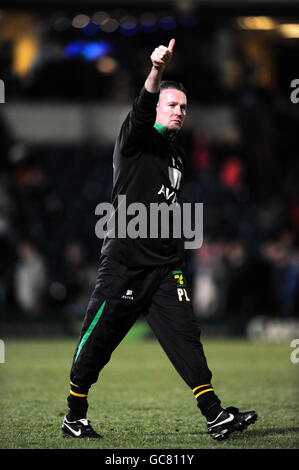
171	45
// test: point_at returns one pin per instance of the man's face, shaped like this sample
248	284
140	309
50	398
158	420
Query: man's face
171	109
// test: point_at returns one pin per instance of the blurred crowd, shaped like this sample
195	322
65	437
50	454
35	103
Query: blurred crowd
249	262
248	181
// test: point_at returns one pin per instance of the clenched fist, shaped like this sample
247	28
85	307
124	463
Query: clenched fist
162	55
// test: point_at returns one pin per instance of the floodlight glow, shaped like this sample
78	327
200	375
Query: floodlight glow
74	49
290	30
96	49
167	23
262	23
89	50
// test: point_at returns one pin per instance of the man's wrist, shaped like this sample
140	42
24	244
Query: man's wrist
159	68
152	83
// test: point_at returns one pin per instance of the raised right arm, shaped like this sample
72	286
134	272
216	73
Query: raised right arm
143	113
160	58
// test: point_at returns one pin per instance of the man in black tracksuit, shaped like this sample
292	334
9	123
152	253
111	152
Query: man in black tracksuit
144	276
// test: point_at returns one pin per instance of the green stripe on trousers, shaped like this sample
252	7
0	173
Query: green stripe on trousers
90	329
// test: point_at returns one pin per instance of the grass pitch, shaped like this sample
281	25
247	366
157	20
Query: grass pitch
140	402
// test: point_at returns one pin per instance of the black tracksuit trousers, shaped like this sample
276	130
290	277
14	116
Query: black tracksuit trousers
120	297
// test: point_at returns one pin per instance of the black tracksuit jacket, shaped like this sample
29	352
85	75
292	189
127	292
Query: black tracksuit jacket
148	168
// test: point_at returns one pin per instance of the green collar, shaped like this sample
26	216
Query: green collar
170	135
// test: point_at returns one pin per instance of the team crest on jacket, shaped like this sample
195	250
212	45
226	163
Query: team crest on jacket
181	290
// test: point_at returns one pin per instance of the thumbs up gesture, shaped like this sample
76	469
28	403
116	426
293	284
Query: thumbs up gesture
162	55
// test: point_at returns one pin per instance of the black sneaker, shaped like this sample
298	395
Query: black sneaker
230	420
80	429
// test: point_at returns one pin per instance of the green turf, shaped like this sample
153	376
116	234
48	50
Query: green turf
141	403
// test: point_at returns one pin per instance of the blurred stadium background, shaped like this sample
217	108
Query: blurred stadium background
70	72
